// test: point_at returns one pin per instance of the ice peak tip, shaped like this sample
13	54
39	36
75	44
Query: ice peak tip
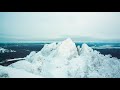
84	45
69	39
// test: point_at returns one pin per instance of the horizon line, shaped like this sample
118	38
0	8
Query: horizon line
45	41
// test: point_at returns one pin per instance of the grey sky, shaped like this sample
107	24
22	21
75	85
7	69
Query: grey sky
83	26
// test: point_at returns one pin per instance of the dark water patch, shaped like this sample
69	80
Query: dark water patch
12	55
112	52
8	63
22	50
17	47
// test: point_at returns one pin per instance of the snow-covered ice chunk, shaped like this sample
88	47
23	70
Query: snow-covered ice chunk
85	49
30	56
65	60
67	49
48	49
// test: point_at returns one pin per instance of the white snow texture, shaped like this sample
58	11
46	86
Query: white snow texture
64	60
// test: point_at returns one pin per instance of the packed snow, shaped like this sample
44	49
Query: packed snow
8	72
64	60
2	50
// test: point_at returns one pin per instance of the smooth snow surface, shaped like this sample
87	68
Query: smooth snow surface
64	60
8	72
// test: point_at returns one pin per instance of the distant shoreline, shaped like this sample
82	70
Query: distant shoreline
59	41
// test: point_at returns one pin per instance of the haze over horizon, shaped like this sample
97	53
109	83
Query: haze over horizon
55	26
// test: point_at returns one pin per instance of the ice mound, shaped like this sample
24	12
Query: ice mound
67	49
49	49
30	56
65	60
85	49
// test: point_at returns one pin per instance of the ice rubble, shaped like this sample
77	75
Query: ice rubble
65	60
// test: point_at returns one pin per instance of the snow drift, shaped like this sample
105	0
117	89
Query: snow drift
65	60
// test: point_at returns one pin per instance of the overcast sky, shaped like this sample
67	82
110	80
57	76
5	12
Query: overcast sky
81	26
